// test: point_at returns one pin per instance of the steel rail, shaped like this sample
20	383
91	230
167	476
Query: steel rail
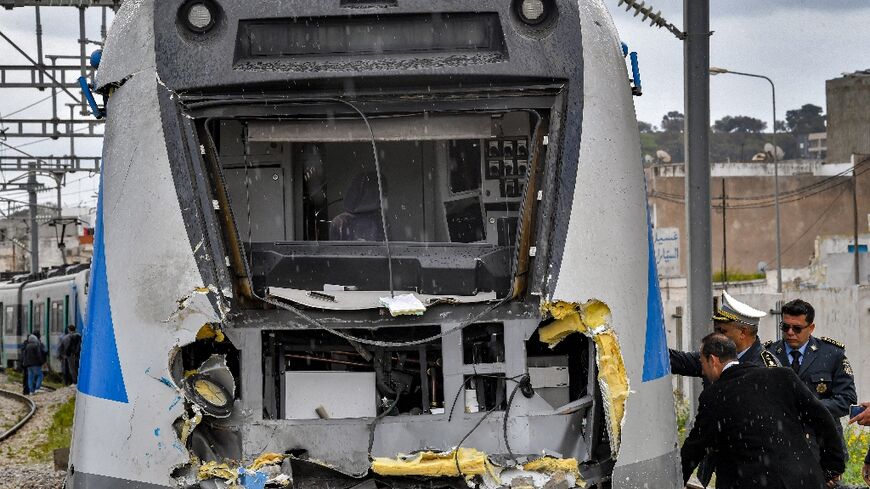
28	402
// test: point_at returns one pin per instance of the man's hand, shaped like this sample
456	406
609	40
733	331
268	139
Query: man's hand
864	418
834	480
865	472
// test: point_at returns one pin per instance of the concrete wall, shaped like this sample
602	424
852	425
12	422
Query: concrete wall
841	313
848	101
750	232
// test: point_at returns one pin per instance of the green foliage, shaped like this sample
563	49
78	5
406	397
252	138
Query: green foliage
857	440
683	413
59	434
807	119
737	276
673	121
739	124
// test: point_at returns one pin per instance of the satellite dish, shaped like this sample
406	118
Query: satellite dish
762	266
768	148
663	156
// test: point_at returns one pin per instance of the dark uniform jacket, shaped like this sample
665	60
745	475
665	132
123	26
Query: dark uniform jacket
825	370
688	363
32	355
752	421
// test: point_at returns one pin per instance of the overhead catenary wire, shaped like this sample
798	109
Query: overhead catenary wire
761	201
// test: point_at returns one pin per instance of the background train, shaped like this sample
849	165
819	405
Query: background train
48	305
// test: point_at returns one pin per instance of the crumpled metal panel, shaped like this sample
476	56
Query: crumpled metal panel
129	46
609	262
157	298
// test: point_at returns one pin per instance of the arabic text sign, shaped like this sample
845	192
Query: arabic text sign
667	249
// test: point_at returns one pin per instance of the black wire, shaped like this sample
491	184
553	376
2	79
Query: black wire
526	380
476	425
377	420
380	189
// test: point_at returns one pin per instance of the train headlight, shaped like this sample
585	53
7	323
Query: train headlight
538	14
532	11
199	16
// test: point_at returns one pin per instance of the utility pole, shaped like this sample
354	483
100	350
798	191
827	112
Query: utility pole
855	222
34	225
696	52
724	237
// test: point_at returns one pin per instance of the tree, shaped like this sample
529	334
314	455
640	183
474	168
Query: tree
739	124
780	126
673	121
805	120
646	127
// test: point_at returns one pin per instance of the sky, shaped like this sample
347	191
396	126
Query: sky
797	43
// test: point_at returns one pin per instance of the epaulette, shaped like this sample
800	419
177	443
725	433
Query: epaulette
832	341
769	343
769	359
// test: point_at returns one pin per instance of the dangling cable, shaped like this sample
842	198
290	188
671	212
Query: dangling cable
380	188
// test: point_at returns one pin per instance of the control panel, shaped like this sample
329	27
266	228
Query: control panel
506	161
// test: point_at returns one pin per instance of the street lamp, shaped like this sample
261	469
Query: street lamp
722	71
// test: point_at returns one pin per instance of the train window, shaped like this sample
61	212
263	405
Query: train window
316	180
302	189
38	319
9	320
56	325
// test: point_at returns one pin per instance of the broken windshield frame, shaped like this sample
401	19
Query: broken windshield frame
453	191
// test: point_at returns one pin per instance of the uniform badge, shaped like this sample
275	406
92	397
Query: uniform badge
847	367
822	388
814	347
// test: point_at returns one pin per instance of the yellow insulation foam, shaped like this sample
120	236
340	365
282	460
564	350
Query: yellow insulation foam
434	464
210	470
593	320
550	465
265	459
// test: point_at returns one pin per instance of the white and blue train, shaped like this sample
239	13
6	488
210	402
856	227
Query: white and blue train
369	243
47	305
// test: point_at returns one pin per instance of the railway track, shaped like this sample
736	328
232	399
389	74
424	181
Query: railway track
27	402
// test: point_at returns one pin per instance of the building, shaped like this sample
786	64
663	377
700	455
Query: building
75	226
816	199
848	100
813	146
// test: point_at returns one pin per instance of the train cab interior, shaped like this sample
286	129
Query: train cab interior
307	199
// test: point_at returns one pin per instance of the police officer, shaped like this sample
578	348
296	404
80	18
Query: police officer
820	363
752	420
737	321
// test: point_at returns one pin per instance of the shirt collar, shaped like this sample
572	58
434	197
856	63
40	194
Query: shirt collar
802	349
729	364
740	354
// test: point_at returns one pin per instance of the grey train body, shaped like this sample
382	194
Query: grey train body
246	315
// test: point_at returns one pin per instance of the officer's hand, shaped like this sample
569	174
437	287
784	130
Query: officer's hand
833	482
865	472
864	418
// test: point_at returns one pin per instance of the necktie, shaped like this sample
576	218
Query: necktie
795	360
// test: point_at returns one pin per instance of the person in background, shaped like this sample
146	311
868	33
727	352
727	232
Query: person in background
820	363
61	356
752	421
24	379
737	321
72	352
863	419
32	360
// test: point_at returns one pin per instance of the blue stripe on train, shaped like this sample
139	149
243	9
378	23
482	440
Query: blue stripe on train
100	368
656	362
